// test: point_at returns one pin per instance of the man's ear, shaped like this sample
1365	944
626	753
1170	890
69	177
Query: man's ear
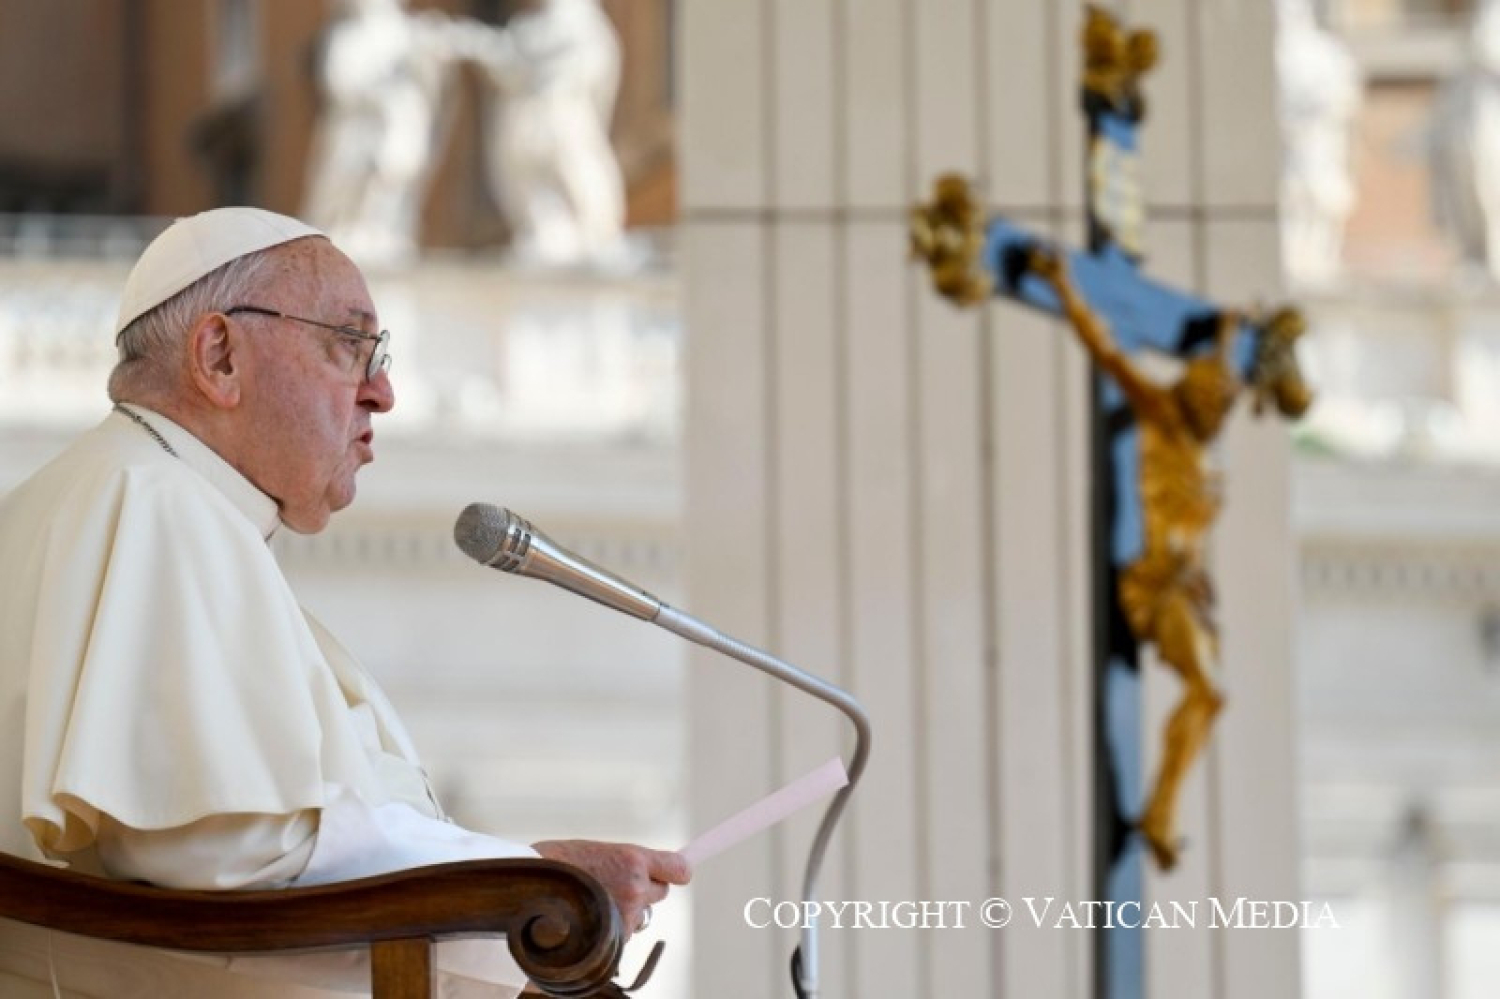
215	359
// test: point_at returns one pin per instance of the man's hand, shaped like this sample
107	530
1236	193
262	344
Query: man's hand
635	877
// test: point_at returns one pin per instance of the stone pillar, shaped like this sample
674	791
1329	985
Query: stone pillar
893	494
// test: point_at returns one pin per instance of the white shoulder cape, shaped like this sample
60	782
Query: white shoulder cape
169	673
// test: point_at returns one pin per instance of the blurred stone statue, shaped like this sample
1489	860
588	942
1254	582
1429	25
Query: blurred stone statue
1321	91
1466	147
554	72
382	76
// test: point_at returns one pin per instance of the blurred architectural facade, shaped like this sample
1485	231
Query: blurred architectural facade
1396	491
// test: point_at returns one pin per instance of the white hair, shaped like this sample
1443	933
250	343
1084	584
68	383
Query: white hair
156	337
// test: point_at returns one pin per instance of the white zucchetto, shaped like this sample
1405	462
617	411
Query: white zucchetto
193	247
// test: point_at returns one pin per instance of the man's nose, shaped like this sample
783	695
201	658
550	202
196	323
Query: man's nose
377	393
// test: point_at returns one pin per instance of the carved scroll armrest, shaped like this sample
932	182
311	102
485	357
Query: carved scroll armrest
561	926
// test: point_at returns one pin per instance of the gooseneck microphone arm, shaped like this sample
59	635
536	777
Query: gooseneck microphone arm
500	539
805	962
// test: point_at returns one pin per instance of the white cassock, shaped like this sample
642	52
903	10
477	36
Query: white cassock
169	713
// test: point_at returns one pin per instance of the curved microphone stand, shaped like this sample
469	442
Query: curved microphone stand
502	540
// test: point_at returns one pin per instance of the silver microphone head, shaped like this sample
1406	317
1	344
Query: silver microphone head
500	539
493	536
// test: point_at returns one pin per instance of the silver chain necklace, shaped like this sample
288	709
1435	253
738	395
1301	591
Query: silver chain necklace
138	421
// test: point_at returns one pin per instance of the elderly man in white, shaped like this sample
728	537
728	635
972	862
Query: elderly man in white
168	712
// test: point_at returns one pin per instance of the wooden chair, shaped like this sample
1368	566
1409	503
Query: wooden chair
561	926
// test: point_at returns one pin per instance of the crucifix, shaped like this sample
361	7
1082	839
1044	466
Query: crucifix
1152	452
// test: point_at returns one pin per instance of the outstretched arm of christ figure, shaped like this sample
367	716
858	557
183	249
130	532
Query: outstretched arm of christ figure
1094	332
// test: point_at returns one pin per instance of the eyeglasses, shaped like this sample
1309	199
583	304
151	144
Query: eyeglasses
380	358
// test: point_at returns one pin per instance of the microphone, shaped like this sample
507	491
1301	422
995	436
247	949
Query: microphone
502	540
